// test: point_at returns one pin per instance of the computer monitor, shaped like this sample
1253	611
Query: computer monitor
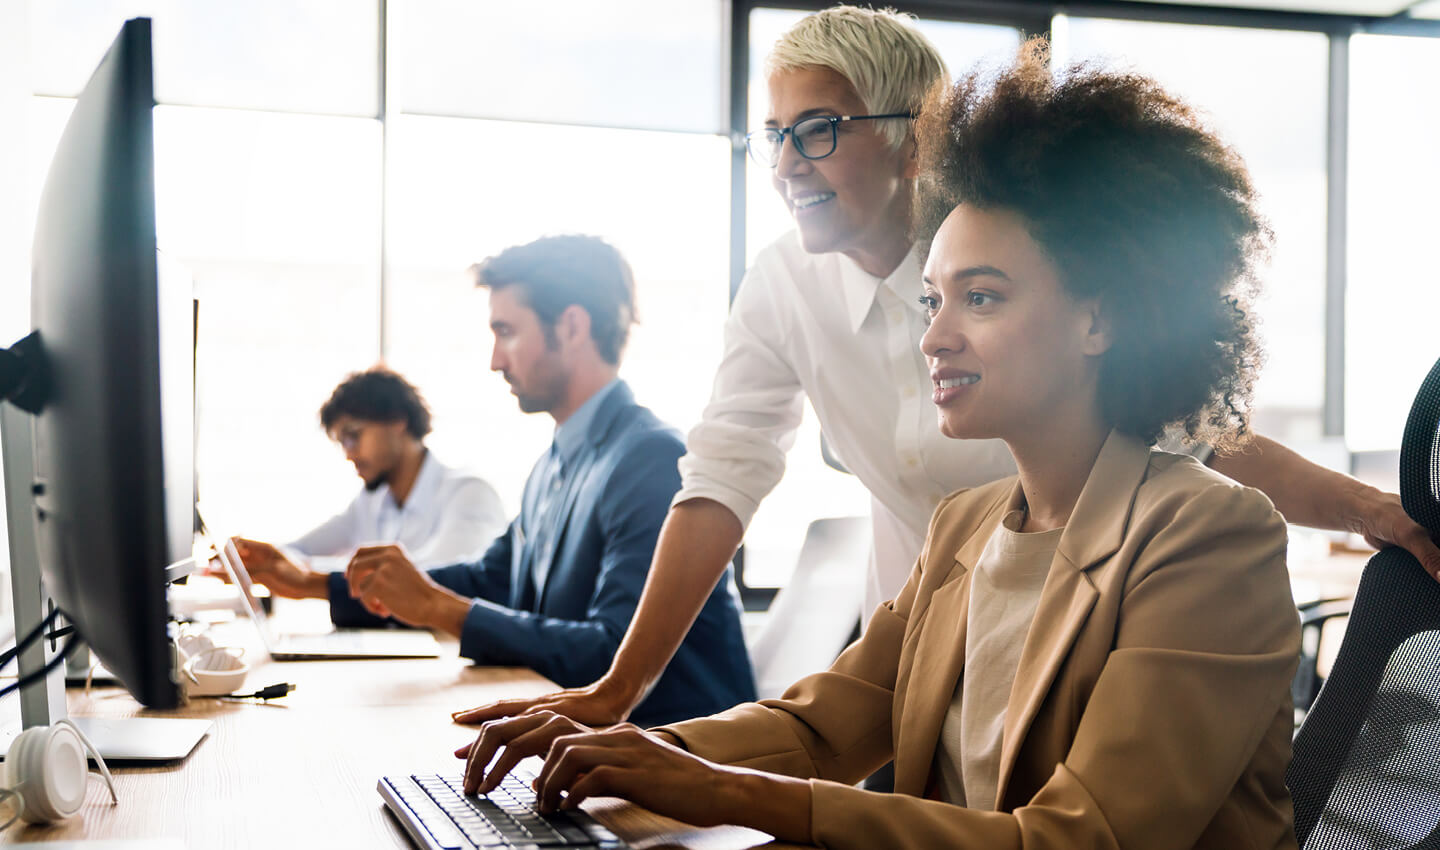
111	376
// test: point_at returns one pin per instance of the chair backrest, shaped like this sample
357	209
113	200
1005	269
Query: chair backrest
815	614
1366	766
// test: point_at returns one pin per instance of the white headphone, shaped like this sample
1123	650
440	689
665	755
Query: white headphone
45	772
209	670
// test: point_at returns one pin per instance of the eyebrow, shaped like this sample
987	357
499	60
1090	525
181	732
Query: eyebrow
972	271
809	113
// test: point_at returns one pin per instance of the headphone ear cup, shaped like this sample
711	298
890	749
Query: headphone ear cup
47	766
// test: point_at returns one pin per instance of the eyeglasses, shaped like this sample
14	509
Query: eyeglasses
348	436
814	137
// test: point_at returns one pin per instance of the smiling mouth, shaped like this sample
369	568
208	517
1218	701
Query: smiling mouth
805	202
950	383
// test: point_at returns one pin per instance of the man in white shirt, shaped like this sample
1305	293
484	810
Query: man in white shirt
440	515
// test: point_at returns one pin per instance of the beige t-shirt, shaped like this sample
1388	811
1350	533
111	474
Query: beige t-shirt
1004	590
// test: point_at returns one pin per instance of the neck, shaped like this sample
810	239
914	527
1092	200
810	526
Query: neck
1054	464
888	244
402	478
583	384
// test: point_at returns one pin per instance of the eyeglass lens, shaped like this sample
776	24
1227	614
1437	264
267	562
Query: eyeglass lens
814	138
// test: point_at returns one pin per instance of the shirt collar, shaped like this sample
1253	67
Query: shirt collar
570	435
427	485
860	288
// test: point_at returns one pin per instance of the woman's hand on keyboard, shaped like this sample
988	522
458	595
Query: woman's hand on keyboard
627	762
520	737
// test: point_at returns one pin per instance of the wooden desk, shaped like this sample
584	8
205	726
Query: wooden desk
301	771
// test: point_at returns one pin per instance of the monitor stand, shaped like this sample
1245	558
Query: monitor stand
150	739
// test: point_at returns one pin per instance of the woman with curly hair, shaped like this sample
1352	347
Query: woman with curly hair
1097	651
828	314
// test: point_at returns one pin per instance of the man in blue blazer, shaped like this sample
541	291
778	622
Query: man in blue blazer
557	590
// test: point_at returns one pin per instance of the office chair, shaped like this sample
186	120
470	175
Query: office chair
1366	765
814	615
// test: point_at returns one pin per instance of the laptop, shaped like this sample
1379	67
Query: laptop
336	644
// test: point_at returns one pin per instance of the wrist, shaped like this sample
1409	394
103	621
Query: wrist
314	585
448	611
778	805
619	691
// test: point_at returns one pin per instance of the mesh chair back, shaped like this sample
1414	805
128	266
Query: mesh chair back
1366	767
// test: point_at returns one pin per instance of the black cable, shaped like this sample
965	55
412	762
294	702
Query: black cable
9	655
38	675
268	692
60	632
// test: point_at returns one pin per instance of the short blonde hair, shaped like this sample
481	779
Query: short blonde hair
888	61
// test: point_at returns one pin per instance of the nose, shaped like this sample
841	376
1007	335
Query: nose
790	164
941	336
497	359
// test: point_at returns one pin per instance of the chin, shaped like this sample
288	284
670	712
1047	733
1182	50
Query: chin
816	240
957	429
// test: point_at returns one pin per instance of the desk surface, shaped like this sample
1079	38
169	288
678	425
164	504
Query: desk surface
301	771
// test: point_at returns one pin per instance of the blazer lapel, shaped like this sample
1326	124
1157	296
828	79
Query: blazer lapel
561	517
938	662
1093	533
616	401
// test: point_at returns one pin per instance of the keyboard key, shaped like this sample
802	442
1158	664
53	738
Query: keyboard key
506	818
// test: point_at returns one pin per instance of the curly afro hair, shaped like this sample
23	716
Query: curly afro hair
1136	202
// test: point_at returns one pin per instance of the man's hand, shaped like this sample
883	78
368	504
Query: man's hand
267	565
595	705
389	585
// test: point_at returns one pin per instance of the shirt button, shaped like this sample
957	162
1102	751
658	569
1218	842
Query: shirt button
896	318
908	392
912	461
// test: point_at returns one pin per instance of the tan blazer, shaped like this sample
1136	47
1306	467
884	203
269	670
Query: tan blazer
1151	706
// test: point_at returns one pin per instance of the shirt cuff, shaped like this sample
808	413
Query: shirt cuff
742	506
485	629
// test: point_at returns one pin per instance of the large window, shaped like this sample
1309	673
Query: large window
1393	297
463	189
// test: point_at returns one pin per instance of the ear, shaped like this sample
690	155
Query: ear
910	149
573	326
1099	335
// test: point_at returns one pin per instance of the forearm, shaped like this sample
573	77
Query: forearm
696	544
1304	493
779	805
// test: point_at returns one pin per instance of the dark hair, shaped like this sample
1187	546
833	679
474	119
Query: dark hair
1135	202
554	272
377	395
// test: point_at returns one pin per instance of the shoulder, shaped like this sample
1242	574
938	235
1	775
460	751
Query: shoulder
784	266
458	480
1176	482
638	434
1184	502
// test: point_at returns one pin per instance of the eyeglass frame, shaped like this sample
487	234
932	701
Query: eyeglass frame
833	120
348	436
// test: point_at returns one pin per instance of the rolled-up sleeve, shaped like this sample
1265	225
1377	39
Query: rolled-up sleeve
736	455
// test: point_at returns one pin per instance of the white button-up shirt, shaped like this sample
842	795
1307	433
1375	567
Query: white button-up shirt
819	326
449	516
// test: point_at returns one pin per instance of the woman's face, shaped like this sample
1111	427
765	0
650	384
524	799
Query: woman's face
1011	353
857	199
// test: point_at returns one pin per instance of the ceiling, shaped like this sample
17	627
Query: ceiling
1367	8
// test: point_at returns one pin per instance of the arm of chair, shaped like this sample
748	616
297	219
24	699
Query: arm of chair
1313	616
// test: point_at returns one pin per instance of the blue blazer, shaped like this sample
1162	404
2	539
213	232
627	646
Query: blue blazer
613	504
